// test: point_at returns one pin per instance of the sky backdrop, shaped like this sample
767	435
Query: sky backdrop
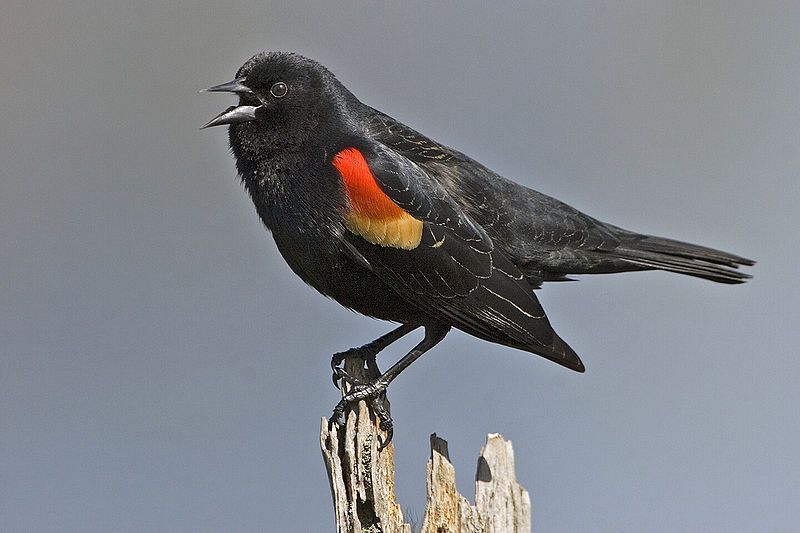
162	370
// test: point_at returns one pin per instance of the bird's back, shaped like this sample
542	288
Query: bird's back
544	237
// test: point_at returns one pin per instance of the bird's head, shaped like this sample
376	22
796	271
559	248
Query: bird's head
281	95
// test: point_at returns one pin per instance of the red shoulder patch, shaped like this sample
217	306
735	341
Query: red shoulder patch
374	215
365	195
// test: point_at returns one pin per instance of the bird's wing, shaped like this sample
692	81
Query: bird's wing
406	226
542	236
548	239
409	143
534	230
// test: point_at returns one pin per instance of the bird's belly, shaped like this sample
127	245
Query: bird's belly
323	263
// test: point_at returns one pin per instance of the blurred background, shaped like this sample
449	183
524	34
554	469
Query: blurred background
161	369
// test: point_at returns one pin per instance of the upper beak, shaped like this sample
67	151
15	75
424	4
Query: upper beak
234	114
235	86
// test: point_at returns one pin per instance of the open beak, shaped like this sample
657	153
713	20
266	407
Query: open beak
234	114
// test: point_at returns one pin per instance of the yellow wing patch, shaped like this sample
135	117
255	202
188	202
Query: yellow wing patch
404	232
372	214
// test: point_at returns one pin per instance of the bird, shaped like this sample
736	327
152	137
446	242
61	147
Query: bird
396	226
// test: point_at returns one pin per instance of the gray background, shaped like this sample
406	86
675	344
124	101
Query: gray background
161	369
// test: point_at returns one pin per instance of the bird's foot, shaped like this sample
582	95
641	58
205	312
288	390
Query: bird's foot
374	393
341	375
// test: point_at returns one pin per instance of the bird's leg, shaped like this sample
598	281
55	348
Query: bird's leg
375	391
367	354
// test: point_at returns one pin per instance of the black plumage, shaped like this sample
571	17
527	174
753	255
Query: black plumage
486	242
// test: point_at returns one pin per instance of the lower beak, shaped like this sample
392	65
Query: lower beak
234	115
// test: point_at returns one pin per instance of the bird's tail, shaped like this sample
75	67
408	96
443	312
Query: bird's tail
684	258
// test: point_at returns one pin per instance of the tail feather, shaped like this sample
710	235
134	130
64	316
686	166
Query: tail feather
684	258
691	251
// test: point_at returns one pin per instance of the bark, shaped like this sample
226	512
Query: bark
362	482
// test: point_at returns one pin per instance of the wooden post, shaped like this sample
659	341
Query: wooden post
362	482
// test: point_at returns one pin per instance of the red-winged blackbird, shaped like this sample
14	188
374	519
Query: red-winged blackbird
399	227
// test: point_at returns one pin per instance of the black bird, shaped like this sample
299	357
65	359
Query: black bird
396	226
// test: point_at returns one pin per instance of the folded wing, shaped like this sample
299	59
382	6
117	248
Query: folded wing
442	261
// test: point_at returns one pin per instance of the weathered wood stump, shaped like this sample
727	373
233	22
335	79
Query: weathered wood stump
362	482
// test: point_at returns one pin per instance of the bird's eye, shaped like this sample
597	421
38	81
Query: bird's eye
278	90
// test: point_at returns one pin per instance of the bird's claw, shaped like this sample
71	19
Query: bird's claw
339	374
385	424
336	417
343	376
339	357
375	394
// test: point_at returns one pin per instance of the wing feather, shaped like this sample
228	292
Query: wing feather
455	272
